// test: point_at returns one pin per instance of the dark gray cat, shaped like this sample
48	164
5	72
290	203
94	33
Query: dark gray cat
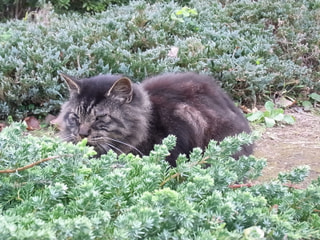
113	113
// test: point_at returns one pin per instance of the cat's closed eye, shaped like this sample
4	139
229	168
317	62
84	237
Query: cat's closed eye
73	119
101	116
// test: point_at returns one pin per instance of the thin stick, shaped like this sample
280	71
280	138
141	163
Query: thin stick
169	178
233	186
32	164
203	161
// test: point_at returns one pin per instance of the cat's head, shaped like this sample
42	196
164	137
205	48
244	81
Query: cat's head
109	110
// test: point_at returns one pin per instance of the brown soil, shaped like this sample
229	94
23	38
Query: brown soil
289	146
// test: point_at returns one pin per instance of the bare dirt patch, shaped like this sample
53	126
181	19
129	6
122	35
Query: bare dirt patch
289	146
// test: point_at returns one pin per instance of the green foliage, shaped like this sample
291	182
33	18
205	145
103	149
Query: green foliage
296	176
186	16
73	196
271	116
5	35
314	98
254	48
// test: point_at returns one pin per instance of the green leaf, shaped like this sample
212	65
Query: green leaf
269	122
256	116
180	12
297	175
258	61
193	12
269	106
279	117
315	96
275	112
307	105
83	142
175	18
289	119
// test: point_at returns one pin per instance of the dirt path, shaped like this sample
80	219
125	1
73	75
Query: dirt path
286	147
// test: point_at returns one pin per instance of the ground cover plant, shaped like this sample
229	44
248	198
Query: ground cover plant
55	190
68	195
271	116
254	49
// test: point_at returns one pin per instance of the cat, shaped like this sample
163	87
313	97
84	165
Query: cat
114	113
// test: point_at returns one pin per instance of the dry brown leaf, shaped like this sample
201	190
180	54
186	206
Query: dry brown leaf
245	109
2	126
32	123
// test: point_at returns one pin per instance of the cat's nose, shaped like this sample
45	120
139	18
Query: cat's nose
84	132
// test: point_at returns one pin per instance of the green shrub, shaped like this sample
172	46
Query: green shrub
73	196
254	48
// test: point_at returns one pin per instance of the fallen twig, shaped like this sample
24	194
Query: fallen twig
291	185
203	161
32	164
233	186
169	178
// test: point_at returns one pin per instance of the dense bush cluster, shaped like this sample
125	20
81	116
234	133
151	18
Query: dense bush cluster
72	196
254	48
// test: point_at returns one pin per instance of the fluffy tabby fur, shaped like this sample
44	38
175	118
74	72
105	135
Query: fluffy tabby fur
113	113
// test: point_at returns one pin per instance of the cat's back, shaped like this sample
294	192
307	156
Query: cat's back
173	83
194	107
190	88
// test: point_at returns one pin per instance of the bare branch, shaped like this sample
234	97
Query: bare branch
32	164
203	161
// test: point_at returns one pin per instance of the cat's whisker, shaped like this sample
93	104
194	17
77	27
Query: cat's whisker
101	147
115	148
123	143
109	145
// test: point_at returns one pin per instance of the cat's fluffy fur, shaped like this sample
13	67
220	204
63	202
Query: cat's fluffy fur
113	113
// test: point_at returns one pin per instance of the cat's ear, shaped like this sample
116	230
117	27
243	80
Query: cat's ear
122	89
72	82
